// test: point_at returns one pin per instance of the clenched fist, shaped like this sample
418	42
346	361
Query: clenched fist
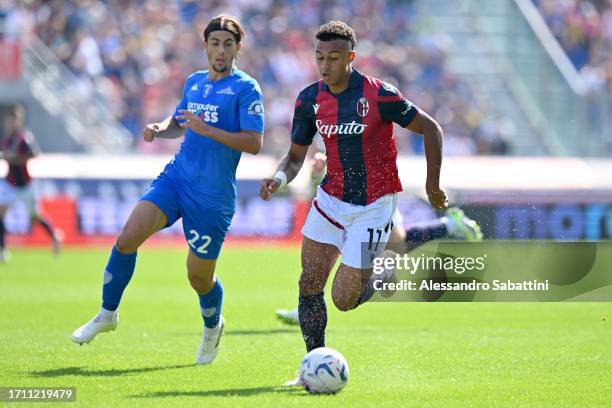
269	187
150	132
437	198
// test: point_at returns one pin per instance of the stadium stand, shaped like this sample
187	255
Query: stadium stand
134	55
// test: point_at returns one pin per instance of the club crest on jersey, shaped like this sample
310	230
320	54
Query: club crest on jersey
207	90
363	106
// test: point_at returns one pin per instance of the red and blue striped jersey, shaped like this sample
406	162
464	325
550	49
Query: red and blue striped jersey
357	129
23	145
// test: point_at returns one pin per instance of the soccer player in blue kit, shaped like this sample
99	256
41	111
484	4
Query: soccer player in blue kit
221	115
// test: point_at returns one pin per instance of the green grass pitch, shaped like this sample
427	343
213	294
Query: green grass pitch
400	354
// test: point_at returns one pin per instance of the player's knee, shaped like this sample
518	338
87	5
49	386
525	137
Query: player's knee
200	283
126	242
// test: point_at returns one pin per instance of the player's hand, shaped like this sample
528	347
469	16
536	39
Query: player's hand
189	120
437	197
150	132
269	186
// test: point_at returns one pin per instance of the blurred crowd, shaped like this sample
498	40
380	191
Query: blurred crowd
584	30
139	53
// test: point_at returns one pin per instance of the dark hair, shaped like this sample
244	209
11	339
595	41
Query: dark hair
337	30
227	23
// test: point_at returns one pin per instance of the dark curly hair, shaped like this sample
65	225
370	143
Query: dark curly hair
225	22
337	30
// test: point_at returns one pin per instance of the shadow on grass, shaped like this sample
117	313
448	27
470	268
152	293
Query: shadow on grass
256	332
240	392
84	372
246	332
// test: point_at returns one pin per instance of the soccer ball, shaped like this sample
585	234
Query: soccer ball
324	371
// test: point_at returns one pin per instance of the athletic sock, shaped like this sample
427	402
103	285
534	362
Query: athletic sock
210	305
117	275
313	320
368	290
47	226
106	315
386	276
424	232
2	233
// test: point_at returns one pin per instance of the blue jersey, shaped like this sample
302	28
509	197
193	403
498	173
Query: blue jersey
205	167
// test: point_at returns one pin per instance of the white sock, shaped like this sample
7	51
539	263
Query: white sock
106	314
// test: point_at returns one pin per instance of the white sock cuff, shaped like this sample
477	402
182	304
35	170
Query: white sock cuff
107	314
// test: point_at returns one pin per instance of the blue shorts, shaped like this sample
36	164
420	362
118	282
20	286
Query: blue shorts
204	228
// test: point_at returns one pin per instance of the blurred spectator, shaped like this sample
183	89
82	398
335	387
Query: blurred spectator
138	52
584	30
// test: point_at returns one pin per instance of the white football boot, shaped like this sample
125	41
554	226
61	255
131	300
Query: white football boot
89	330
290	317
297	382
4	255
209	348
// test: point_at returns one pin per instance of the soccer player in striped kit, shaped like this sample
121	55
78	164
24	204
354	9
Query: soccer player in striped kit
357	199
17	147
424	225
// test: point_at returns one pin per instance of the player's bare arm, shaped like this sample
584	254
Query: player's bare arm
166	129
290	165
245	141
433	135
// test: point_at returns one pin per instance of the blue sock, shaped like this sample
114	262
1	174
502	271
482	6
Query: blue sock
210	305
117	275
424	232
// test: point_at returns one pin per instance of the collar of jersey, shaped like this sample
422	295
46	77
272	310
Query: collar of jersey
354	82
216	81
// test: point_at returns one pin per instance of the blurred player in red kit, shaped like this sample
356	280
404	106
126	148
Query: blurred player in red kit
17	146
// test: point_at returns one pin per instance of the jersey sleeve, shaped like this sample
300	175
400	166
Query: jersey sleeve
303	128
251	107
394	107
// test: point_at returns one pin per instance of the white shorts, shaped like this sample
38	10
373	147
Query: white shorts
10	194
398	219
359	232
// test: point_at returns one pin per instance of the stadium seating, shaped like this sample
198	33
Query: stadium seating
138	53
